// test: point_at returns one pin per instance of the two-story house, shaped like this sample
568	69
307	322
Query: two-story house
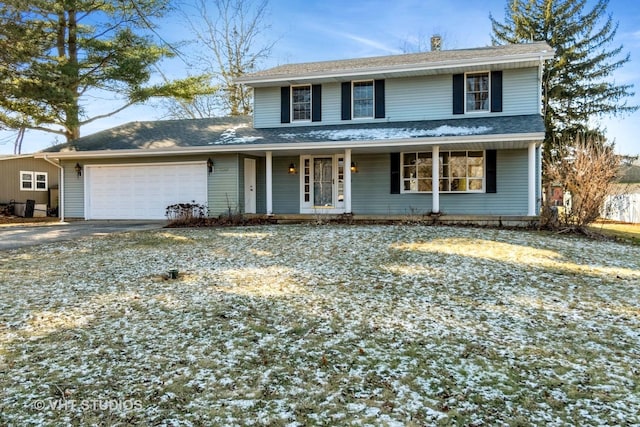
451	132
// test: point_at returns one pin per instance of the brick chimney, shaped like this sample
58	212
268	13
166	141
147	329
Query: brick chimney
436	43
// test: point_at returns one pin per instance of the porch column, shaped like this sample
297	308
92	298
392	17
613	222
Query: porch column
269	169
532	179
347	180
435	179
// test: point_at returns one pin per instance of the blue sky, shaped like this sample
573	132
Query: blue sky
337	29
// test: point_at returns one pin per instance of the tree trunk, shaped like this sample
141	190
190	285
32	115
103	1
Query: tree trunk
68	38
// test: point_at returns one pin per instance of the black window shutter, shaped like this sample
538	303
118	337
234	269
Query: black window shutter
491	183
379	101
395	173
496	91
458	94
285	105
316	103
346	101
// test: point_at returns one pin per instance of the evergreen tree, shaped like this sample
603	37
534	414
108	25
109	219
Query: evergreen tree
577	84
54	53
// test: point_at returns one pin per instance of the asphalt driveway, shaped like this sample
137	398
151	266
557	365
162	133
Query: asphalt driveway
17	236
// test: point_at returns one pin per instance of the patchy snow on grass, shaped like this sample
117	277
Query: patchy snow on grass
321	325
389	133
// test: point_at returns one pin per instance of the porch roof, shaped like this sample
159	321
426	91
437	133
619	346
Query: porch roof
175	137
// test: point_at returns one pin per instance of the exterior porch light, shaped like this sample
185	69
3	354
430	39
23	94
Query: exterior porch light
209	165
292	169
78	169
354	167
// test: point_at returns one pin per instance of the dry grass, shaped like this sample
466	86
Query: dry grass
627	232
16	220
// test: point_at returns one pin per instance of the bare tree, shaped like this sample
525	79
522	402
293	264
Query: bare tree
587	169
229	39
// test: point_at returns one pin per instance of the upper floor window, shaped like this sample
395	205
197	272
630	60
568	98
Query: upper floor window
458	171
33	181
363	99
477	92
301	103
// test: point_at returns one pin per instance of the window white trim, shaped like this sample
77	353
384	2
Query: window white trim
293	119
373	100
34	181
414	181
485	110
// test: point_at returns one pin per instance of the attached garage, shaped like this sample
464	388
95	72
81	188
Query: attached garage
142	191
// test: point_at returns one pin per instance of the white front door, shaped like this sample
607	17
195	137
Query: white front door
250	186
322	184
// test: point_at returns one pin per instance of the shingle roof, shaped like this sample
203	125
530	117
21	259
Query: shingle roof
239	132
398	61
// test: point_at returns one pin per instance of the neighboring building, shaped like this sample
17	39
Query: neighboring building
24	177
451	132
624	204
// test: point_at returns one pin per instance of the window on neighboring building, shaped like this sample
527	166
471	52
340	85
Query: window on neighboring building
363	99
301	103
33	181
459	171
477	92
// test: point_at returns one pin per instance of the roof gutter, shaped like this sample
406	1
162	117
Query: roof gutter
61	185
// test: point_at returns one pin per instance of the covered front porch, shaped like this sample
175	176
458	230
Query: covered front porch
336	181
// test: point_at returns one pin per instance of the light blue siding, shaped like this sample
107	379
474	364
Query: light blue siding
331	103
520	91
511	195
371	190
266	107
408	99
73	191
421	98
223	184
286	187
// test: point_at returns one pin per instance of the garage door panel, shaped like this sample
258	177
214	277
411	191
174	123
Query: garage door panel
142	191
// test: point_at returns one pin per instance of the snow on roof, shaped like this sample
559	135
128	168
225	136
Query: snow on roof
239	131
366	134
230	136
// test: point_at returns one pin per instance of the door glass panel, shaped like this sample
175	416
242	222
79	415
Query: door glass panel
307	180
323	181
340	180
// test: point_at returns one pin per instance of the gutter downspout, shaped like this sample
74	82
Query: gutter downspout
61	186
540	77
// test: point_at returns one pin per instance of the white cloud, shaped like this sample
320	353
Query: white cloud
372	43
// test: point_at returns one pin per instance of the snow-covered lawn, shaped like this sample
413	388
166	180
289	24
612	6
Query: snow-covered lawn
321	325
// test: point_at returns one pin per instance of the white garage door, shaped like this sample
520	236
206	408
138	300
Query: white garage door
142	191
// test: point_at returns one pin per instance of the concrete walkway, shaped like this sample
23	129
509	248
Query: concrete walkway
18	236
